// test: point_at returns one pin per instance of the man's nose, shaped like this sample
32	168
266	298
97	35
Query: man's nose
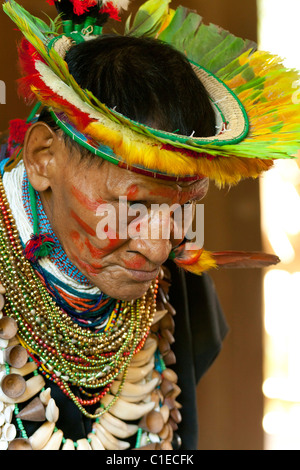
156	251
153	239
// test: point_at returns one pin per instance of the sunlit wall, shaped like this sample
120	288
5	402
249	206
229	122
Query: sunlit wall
280	199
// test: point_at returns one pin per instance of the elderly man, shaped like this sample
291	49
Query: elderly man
91	356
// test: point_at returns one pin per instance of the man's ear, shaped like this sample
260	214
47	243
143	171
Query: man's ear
39	151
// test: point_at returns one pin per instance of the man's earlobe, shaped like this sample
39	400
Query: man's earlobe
38	153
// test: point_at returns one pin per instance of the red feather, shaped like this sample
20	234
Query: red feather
28	55
186	257
32	87
244	259
24	88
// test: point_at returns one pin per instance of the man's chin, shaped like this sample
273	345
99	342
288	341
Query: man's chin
128	292
123	284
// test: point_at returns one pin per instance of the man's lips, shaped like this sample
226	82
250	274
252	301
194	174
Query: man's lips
139	268
142	276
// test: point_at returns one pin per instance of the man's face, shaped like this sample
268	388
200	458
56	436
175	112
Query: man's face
84	209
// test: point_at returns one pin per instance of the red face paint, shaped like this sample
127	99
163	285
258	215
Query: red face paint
83	224
132	192
137	262
75	237
95	252
112	239
91	269
85	201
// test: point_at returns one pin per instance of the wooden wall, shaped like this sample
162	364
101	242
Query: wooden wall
230	399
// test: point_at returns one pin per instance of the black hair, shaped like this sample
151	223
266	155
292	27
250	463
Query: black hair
144	79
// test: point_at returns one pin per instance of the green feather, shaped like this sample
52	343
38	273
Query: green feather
185	34
148	19
26	21
223	53
176	23
206	38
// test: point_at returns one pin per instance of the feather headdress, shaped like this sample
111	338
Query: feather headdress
251	92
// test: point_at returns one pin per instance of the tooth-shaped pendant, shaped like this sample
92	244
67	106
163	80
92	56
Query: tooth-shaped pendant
83	444
42	435
55	441
96	444
19	444
68	445
52	411
125	410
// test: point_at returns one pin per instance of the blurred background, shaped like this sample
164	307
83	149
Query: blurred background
250	398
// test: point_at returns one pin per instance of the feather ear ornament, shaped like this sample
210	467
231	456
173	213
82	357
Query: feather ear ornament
197	260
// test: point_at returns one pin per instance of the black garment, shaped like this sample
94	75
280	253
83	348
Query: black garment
199	332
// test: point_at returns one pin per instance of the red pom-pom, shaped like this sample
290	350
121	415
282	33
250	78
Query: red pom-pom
79	6
17	131
83	6
38	246
111	10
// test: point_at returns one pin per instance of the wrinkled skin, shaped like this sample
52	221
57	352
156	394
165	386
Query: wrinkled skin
72	190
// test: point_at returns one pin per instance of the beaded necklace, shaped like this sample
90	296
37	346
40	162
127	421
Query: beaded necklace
71	355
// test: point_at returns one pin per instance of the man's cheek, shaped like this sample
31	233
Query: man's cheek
85	201
84	245
82	224
77	241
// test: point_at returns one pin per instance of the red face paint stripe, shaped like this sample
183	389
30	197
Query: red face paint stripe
132	192
75	237
85	201
95	252
91	269
83	224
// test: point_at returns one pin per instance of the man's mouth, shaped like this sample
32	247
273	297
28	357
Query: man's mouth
142	276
